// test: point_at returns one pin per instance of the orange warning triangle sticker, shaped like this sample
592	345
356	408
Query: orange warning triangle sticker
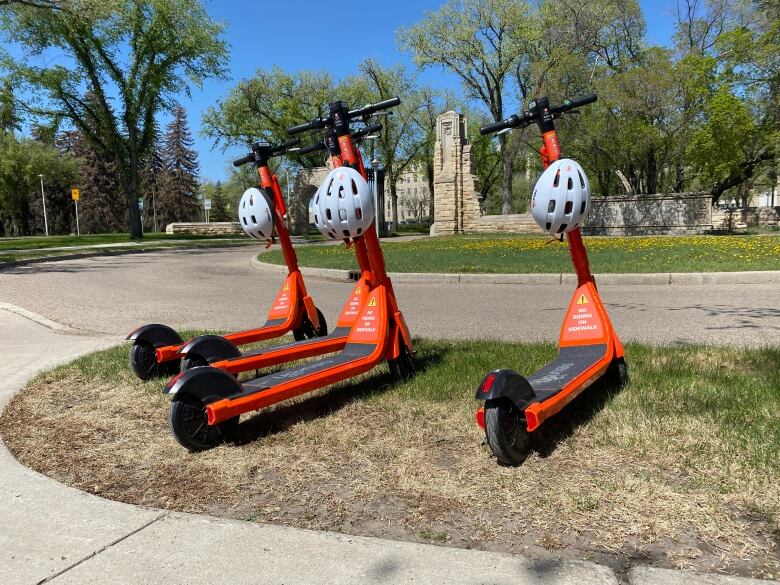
357	291
583	300
286	286
372	302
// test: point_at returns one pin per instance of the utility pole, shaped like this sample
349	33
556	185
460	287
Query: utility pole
45	219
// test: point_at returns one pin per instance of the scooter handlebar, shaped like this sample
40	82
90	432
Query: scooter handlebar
244	159
571	104
511	122
313	125
372	108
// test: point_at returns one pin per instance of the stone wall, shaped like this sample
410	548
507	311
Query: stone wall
683	213
214	228
727	220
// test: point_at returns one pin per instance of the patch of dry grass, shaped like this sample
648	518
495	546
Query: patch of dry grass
678	469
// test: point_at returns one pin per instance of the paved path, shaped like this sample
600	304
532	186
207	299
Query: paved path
219	289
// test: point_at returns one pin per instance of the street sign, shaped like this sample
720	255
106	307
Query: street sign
207	204
74	193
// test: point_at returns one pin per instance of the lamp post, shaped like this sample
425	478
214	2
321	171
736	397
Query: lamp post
375	165
43	198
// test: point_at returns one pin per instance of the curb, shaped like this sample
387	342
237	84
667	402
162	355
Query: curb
650	279
77	256
36	318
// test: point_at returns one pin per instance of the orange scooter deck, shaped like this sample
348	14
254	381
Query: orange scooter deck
365	348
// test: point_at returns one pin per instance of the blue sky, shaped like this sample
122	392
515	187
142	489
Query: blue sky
290	34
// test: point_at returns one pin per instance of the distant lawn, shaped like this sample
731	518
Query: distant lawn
42	246
534	254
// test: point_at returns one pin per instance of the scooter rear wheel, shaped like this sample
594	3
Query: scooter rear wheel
189	424
402	367
308	331
190	361
505	431
143	362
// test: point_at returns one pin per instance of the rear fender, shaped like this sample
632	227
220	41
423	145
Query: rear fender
206	383
212	348
506	383
156	335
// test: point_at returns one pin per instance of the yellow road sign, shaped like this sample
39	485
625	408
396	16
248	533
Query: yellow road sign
74	193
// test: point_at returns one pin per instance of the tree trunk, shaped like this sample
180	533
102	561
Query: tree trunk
130	188
506	194
394	203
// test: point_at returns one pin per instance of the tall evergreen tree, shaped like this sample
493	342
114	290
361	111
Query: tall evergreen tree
101	205
219	204
178	195
152	179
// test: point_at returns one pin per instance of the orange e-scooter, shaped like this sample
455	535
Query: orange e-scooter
206	402
157	349
220	352
589	348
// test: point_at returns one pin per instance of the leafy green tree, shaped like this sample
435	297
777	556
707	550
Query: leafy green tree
9	117
21	161
482	43
131	55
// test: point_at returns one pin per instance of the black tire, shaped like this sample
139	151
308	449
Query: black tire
143	360
308	331
402	367
190	361
505	431
619	372
189	425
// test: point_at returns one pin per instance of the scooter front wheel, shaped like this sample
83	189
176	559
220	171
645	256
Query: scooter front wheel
505	431
402	367
190	361
308	331
189	424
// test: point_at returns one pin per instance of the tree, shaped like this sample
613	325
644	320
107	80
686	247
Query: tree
178	199
9	117
21	161
101	208
219	204
131	55
482	43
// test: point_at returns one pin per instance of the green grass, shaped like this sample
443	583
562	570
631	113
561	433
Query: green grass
42	246
535	254
687	452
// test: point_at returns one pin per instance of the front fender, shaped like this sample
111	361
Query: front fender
206	383
156	335
212	348
506	383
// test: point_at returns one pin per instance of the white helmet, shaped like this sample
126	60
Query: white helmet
561	197
343	205
256	214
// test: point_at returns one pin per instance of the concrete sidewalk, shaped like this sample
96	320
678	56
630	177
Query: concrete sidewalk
53	533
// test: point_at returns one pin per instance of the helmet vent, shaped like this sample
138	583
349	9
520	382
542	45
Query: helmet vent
547	225
570	184
569	206
317	200
354	187
244	219
328	190
316	219
254	220
343	214
359	231
243	205
341	192
358	213
557	179
346	233
251	200
328	215
582	179
562	228
551	206
582	207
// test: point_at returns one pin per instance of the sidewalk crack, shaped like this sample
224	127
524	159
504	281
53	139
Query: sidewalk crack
105	548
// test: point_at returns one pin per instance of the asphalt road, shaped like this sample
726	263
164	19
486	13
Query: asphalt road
218	289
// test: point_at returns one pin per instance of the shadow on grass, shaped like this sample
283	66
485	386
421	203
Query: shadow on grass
577	413
280	418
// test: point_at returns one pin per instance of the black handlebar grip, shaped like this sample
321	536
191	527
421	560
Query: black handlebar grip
304	127
311	148
581	101
289	144
383	105
496	126
244	159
